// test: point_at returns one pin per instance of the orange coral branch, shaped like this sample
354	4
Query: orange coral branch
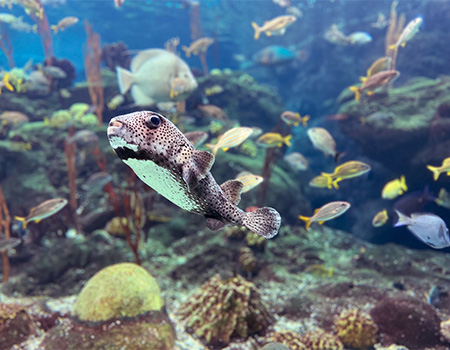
92	64
44	32
5	221
6	46
70	152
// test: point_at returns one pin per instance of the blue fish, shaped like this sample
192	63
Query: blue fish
273	55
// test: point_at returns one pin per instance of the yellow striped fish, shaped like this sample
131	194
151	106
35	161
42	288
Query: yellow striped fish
232	138
249	180
327	212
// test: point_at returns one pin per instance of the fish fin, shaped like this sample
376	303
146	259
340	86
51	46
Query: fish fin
225	149
335	183
7	83
214	224
357	92
403	220
329	180
54	28
393	47
363	79
195	170
435	171
305	120
370	93
307	221
268	33
233	189
264	222
403	44
213	148
403	183
316	210
287	140
22	220
186	50
320	222
296	123
337	156
125	79
257	30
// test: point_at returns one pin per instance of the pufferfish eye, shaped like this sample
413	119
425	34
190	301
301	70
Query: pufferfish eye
153	122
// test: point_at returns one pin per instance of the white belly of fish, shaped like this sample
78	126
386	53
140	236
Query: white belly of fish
165	183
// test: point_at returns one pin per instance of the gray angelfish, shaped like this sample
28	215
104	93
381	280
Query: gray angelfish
162	157
429	228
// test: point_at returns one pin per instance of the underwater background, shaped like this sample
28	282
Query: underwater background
336	114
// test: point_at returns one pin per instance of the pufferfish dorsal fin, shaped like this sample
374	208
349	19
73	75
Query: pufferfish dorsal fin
197	167
233	189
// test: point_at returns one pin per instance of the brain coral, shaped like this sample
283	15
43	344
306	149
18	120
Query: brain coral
121	290
356	329
321	340
288	338
222	309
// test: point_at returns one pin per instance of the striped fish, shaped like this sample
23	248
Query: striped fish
249	180
327	212
232	138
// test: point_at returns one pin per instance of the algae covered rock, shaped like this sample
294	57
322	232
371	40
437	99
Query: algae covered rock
225	309
16	325
121	290
407	321
119	308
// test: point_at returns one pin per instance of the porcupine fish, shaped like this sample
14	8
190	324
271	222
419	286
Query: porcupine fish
163	158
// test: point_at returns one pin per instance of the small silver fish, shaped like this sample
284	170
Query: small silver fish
327	212
43	211
429	228
9	243
163	158
97	181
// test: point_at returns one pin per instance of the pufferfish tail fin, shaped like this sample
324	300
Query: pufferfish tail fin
264	222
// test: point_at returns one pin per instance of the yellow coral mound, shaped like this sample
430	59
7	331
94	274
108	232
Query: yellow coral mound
356	329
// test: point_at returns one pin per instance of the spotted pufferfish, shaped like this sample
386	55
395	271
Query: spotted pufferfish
164	159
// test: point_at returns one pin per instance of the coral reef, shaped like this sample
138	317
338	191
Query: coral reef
401	130
406	321
290	339
321	340
356	329
135	292
242	97
224	309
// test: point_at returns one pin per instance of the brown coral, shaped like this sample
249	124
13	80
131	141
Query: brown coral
223	309
321	340
356	329
288	338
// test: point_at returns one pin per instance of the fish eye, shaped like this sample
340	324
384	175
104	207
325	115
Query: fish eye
153	122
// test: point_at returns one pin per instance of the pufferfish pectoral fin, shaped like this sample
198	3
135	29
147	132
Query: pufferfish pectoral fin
214	224
233	189
197	167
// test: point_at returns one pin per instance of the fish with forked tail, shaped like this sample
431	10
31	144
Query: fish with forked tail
164	159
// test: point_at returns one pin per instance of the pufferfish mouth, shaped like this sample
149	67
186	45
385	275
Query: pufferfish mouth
116	132
114	128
